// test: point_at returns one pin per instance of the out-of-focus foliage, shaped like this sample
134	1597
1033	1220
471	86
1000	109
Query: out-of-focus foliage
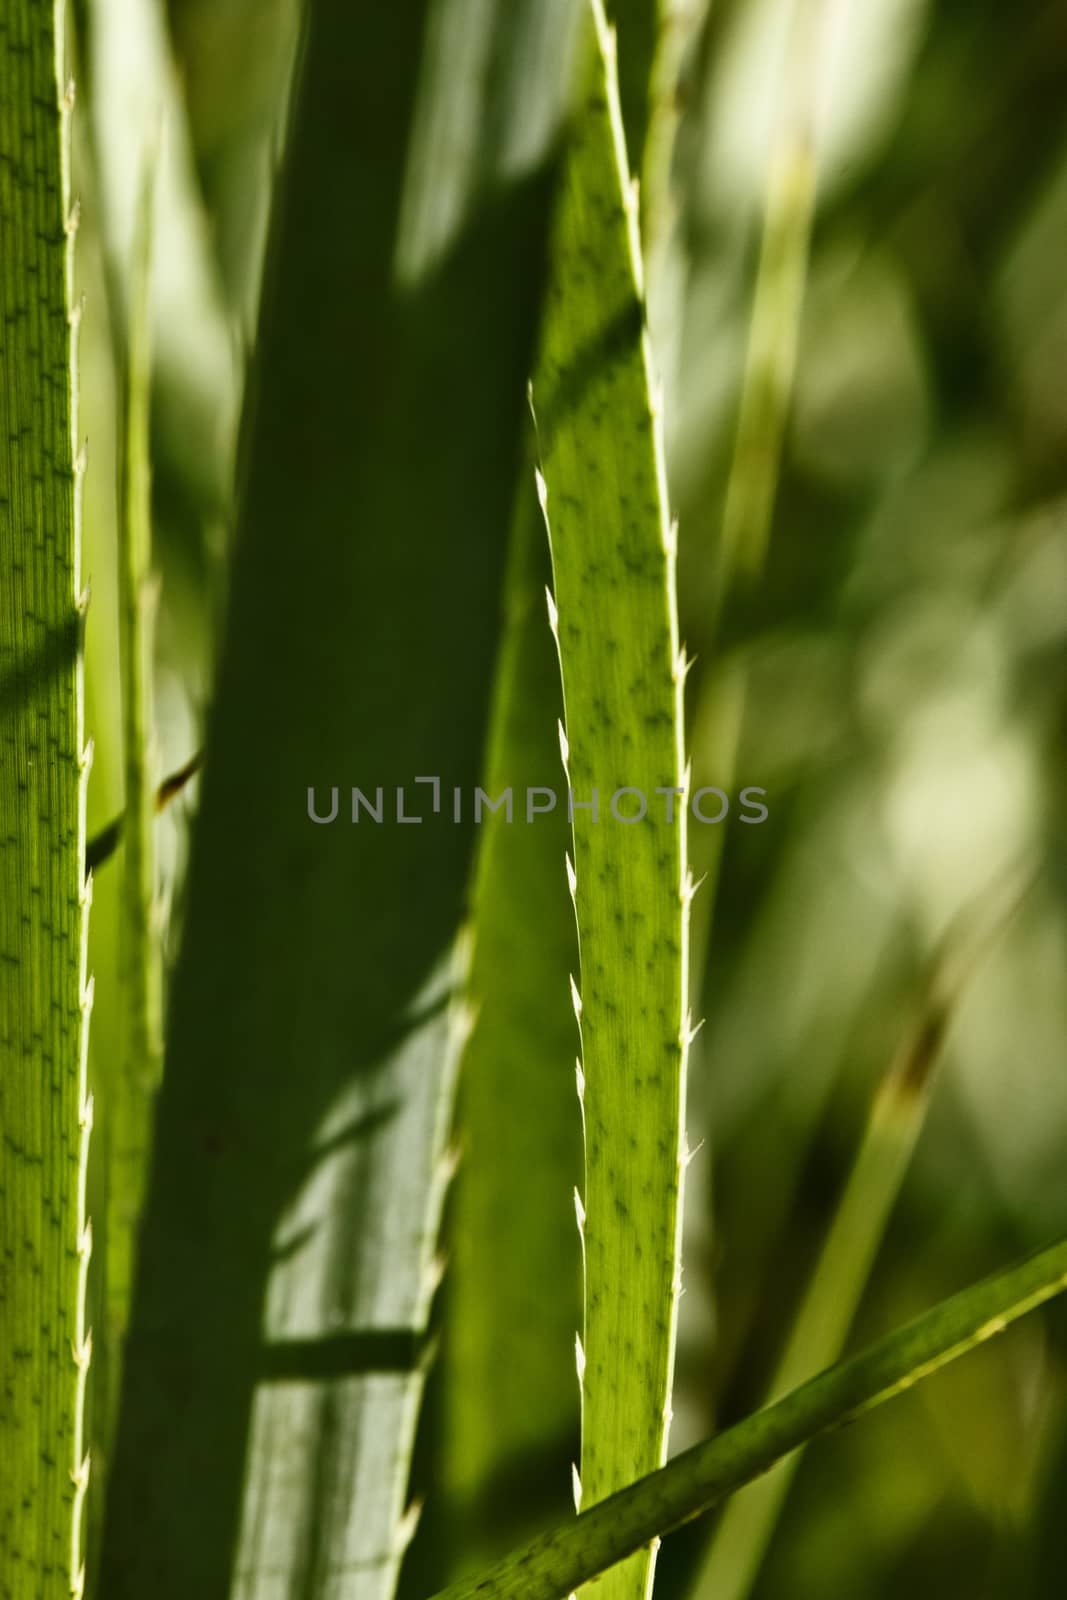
904	655
905	710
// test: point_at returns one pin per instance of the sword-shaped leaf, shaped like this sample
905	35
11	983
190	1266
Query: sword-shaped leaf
615	618
273	1364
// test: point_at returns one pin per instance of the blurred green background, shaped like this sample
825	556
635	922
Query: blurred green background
906	661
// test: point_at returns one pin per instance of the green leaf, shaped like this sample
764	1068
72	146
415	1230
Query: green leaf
286	1264
551	1567
45	1112
616	624
128	1105
510	1428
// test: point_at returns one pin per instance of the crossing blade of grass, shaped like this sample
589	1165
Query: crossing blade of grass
45	1111
286	1259
616	624
551	1567
832	1297
514	1280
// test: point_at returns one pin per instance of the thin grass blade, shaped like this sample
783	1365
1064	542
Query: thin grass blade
45	1110
132	1091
